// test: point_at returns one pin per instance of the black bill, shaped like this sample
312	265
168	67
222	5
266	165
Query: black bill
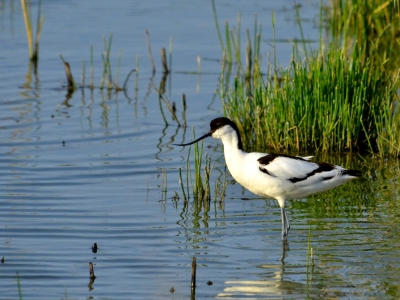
195	141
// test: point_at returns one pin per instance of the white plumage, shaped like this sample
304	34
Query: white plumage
278	176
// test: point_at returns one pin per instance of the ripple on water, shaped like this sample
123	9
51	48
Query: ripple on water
88	169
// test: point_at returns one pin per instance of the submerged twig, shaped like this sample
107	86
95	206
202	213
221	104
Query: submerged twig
168	105
164	61
91	271
193	281
91	86
181	183
184	110
149	51
70	79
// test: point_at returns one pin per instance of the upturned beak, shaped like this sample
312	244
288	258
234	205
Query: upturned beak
195	141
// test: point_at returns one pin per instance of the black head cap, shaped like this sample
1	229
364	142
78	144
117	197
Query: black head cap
221	122
214	126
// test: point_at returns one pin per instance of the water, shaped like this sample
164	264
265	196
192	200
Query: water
89	169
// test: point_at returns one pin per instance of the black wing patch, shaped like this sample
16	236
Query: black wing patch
266	172
265	160
322	167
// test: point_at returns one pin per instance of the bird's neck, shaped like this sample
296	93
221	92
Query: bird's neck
232	144
234	156
232	140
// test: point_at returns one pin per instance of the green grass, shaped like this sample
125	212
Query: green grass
373	23
198	179
326	104
196	182
332	99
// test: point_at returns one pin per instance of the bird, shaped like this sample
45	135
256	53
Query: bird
279	176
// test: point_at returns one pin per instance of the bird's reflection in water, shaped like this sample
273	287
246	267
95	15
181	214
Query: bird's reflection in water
274	283
257	288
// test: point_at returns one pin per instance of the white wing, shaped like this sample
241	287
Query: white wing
295	168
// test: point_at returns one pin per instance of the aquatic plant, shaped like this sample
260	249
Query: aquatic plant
375	24
330	99
19	287
309	266
70	79
197	181
106	82
231	45
106	79
171	106
33	44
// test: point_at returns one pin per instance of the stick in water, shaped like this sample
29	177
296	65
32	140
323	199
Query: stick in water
193	284
91	271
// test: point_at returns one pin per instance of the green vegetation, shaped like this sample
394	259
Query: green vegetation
198	179
19	287
33	44
199	185
375	24
334	98
106	82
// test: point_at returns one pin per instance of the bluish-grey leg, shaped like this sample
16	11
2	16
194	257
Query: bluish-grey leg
285	224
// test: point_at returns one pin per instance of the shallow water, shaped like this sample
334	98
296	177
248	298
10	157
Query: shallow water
89	169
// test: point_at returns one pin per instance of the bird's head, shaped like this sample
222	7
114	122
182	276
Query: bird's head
219	127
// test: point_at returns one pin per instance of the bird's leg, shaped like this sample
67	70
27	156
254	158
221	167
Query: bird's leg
285	224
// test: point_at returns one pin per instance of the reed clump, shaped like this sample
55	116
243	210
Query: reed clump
331	99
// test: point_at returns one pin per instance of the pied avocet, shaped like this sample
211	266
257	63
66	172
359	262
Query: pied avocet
278	176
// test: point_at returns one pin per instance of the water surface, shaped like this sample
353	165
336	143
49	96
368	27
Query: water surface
89	169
